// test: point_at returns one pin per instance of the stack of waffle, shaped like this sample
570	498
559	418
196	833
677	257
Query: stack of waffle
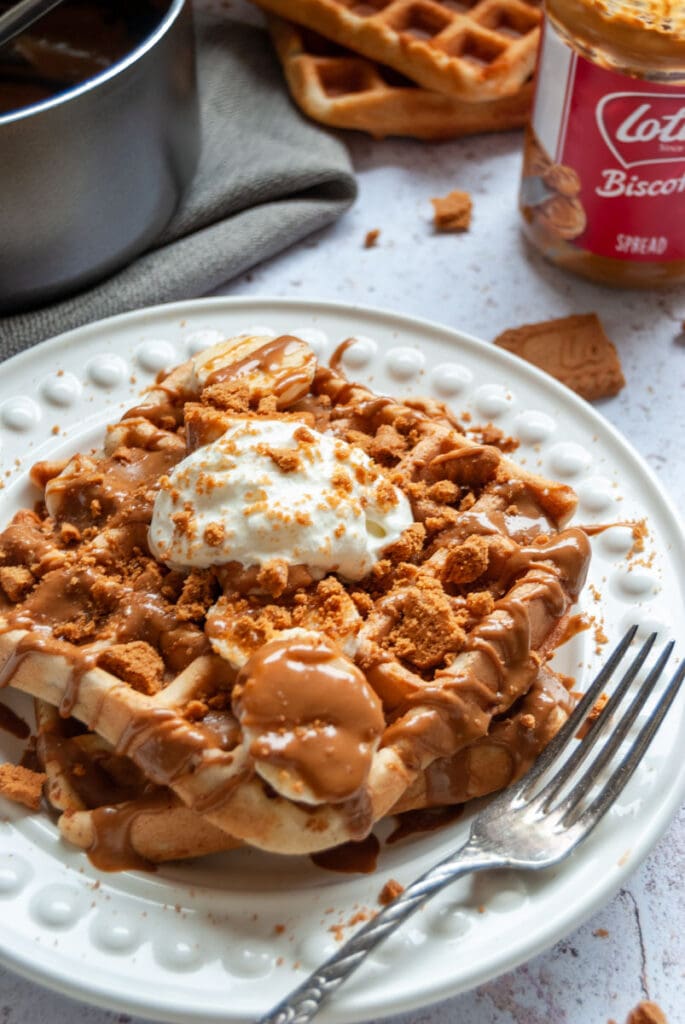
429	69
186	711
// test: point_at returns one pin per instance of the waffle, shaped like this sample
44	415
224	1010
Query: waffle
447	633
499	758
341	89
108	807
474	52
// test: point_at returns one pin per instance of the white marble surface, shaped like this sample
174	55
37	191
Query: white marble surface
482	282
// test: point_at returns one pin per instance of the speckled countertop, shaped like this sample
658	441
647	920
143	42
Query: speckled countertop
482	282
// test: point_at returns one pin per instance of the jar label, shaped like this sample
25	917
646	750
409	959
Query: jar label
604	169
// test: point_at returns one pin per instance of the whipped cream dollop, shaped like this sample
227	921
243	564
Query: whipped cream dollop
277	489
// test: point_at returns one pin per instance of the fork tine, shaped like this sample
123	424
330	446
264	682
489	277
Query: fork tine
619	733
580	713
615	784
597	728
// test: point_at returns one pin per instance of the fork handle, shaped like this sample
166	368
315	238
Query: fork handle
305	1001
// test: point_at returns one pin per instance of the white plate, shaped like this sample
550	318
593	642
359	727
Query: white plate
223	939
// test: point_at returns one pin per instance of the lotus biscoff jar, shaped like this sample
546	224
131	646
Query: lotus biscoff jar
603	189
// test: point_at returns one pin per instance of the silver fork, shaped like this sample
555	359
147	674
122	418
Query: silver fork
528	826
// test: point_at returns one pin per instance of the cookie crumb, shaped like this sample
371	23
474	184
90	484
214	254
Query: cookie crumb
452	212
647	1012
137	663
22	785
16	581
390	891
595	712
371	238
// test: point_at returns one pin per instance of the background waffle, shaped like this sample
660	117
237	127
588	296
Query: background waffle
93	625
341	89
480	51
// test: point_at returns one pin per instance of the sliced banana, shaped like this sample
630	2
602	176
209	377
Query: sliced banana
283	367
309	718
139	432
79	467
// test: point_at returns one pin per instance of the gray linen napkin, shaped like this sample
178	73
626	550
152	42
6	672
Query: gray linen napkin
266	179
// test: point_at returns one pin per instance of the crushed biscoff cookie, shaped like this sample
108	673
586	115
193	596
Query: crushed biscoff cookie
490	434
22	785
647	1012
640	533
390	891
137	663
452	212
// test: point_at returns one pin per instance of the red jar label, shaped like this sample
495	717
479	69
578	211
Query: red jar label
607	171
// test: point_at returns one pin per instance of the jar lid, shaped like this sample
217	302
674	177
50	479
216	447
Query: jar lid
638	34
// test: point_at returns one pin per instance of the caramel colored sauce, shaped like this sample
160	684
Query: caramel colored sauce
126	486
112	847
164	745
98	777
350	858
29	759
335	362
574	625
594	529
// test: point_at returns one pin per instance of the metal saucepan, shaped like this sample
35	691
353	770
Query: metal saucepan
89	177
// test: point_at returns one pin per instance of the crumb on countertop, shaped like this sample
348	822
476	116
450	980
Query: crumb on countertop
452	212
647	1012
371	238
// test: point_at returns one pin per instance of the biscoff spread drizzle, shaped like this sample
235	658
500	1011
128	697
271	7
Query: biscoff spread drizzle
112	848
500	757
115	489
315	716
269	359
443	634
